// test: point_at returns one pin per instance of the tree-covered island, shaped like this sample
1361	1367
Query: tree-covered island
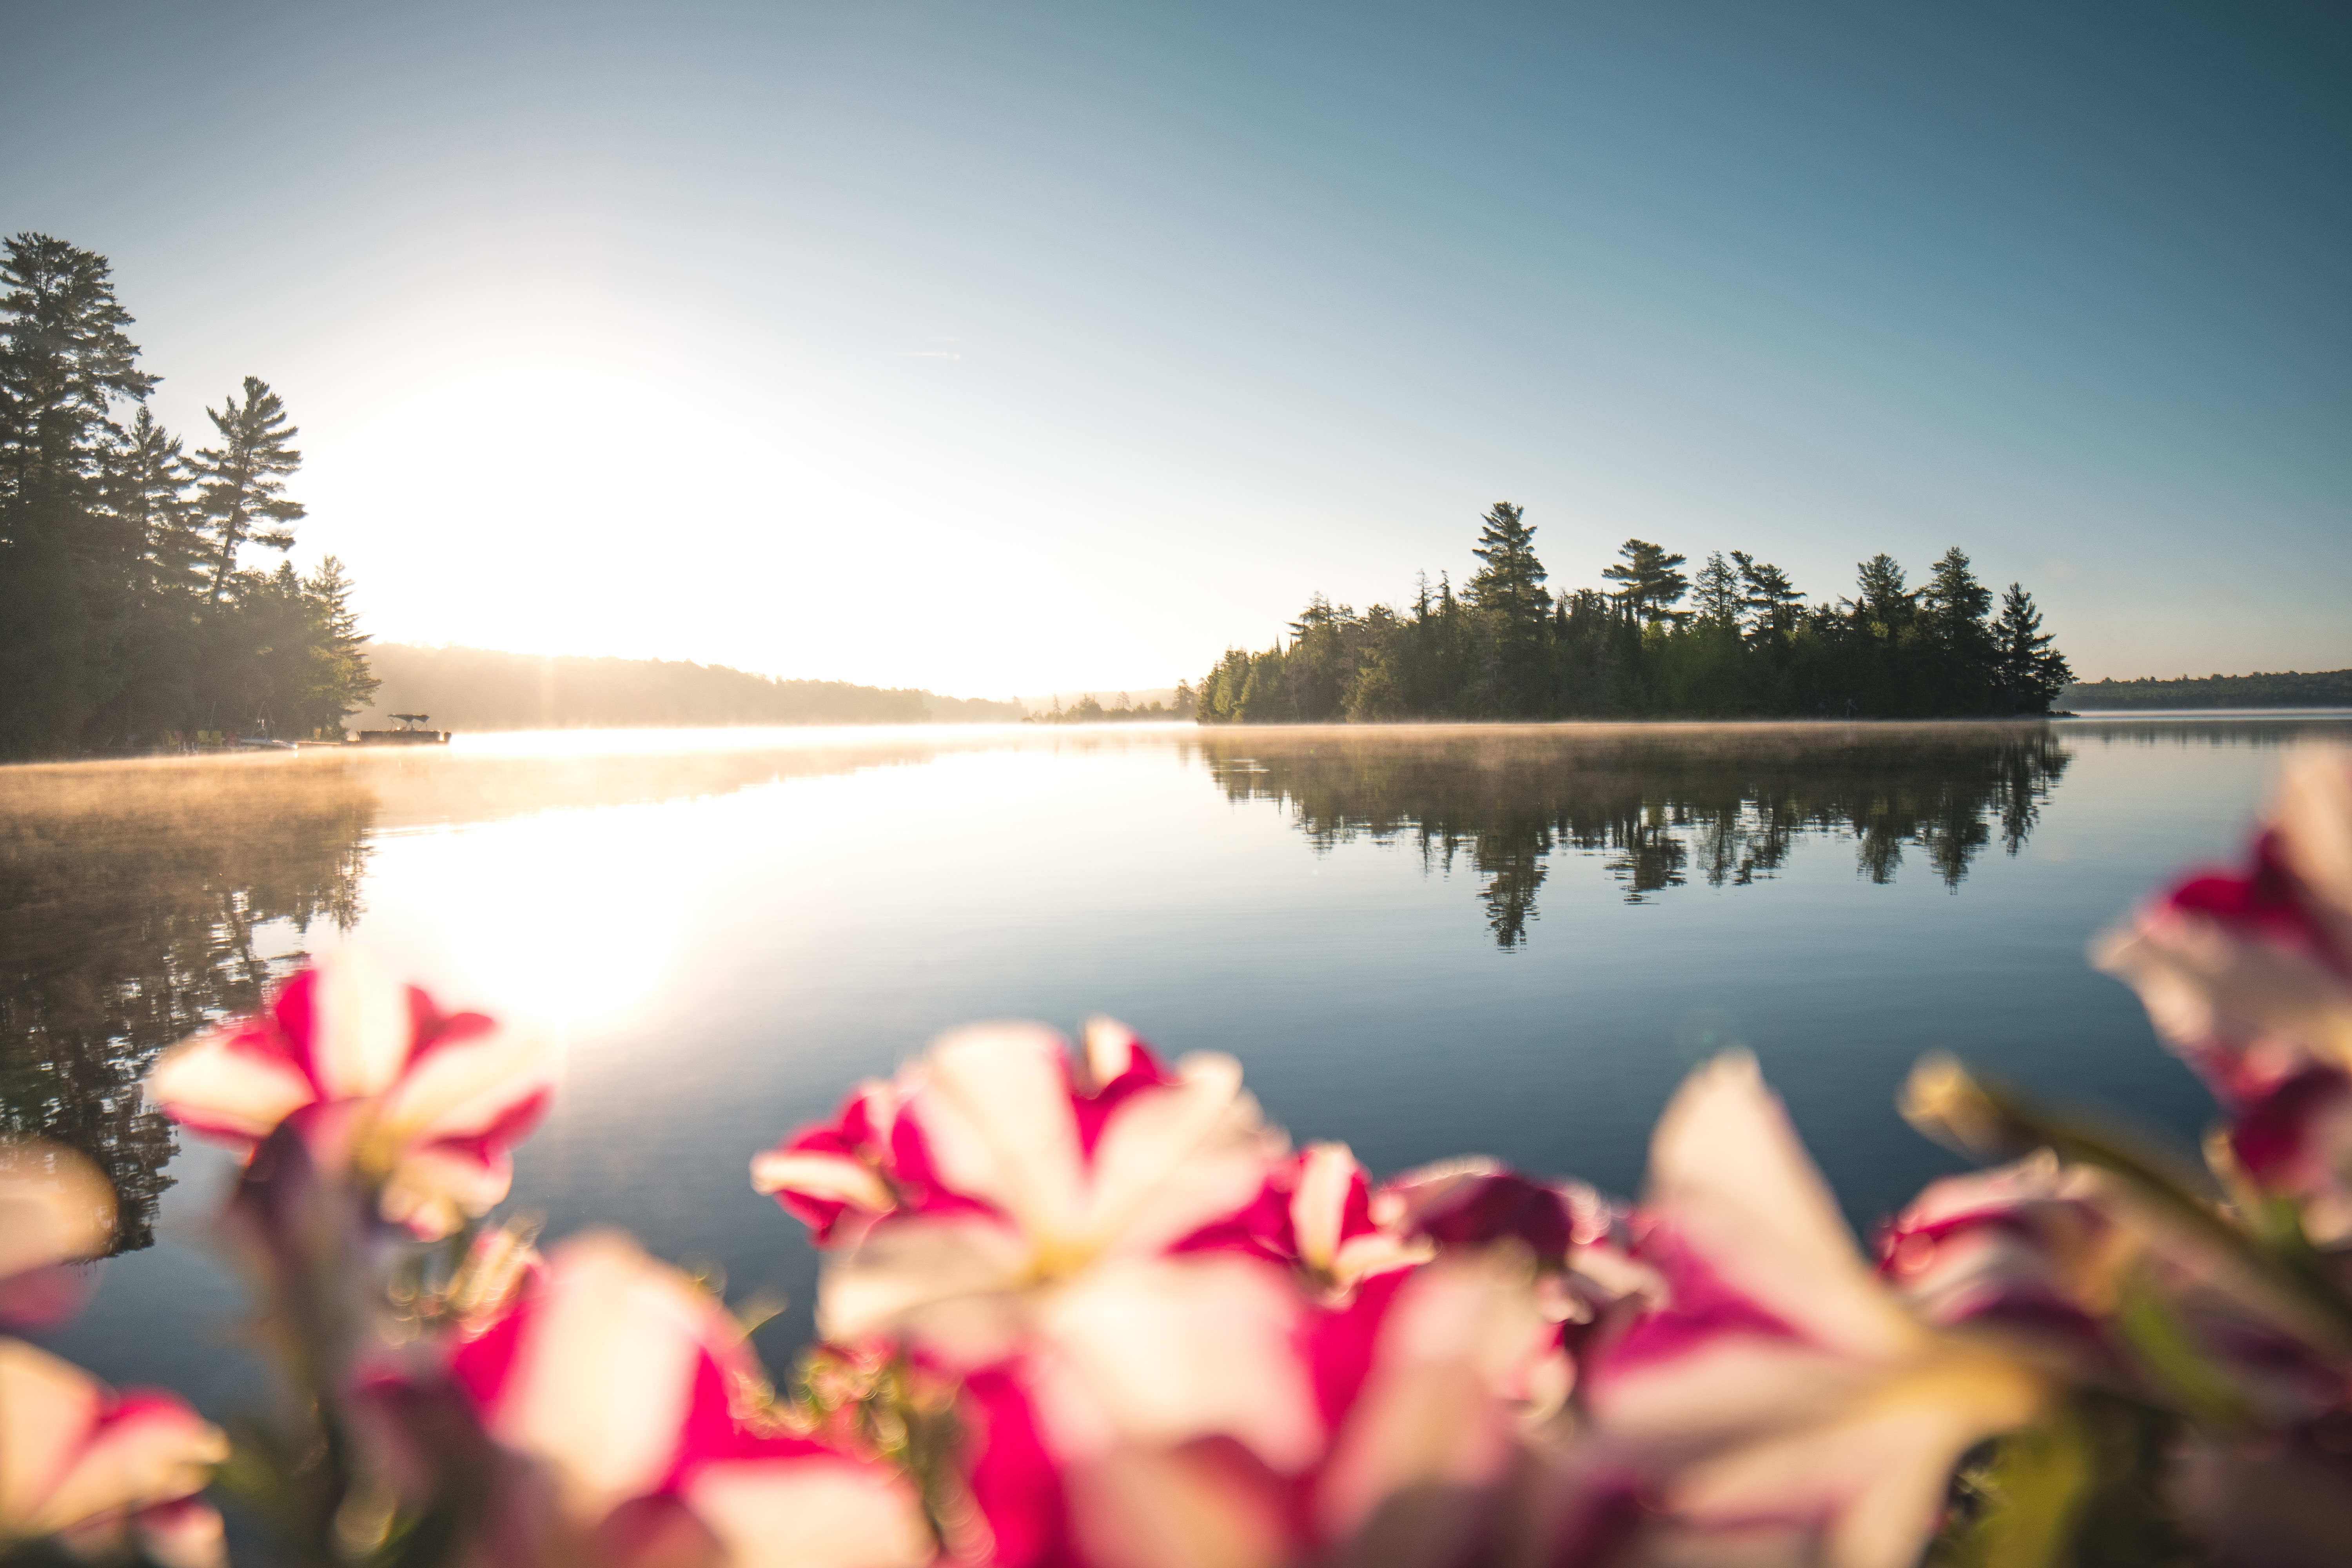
128	611
1734	639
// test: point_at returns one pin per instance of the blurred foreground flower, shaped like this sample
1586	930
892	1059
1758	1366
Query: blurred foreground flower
422	1107
55	1212
1022	1205
636	1420
97	1469
2248	974
1782	1406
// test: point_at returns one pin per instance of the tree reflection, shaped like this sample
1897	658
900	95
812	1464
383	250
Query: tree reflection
134	897
129	920
1661	804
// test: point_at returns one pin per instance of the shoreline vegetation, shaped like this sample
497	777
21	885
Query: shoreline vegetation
1747	646
472	689
129	618
2318	689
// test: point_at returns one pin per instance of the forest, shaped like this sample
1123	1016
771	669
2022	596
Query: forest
131	610
1735	638
478	688
2292	689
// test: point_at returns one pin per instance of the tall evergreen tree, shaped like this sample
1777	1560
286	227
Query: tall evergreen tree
1772	602
1955	606
2032	673
1717	594
1952	596
1511	580
1881	601
1651	586
65	356
154	649
145	487
345	683
242	481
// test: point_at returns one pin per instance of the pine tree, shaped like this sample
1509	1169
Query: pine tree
1652	586
1771	601
242	498
1511	581
1881	601
346	683
64	358
145	487
2032	673
1719	594
1956	605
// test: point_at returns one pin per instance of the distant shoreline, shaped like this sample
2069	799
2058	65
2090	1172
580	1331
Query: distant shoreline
2292	689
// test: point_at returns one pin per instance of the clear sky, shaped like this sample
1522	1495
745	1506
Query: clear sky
1005	348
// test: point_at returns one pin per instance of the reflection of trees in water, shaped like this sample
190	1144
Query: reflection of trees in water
128	922
1661	804
129	895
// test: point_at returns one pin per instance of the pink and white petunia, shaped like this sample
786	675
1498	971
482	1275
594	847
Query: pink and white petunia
1784	1402
627	1392
98	1469
2248	974
1434	1380
421	1105
2032	1247
1317	1213
836	1178
1040	1212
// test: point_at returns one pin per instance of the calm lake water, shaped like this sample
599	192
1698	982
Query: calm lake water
1425	942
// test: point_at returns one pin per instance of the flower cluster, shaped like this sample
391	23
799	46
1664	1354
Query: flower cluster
101	1472
1085	1307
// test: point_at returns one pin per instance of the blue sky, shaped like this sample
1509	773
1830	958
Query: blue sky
1004	348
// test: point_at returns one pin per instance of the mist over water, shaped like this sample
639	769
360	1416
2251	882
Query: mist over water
1508	941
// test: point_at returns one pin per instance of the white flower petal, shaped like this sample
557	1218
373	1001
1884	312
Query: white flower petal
2313	816
361	1024
952	1281
1109	1047
1318	1208
467	1085
1727	1174
994	1107
1170	1159
46	1409
1160	1351
54	1205
604	1375
836	1177
811	1512
214	1087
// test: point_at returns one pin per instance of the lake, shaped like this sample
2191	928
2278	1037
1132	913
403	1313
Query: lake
1425	942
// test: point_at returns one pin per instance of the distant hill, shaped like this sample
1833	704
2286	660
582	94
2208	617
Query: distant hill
482	689
2329	689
